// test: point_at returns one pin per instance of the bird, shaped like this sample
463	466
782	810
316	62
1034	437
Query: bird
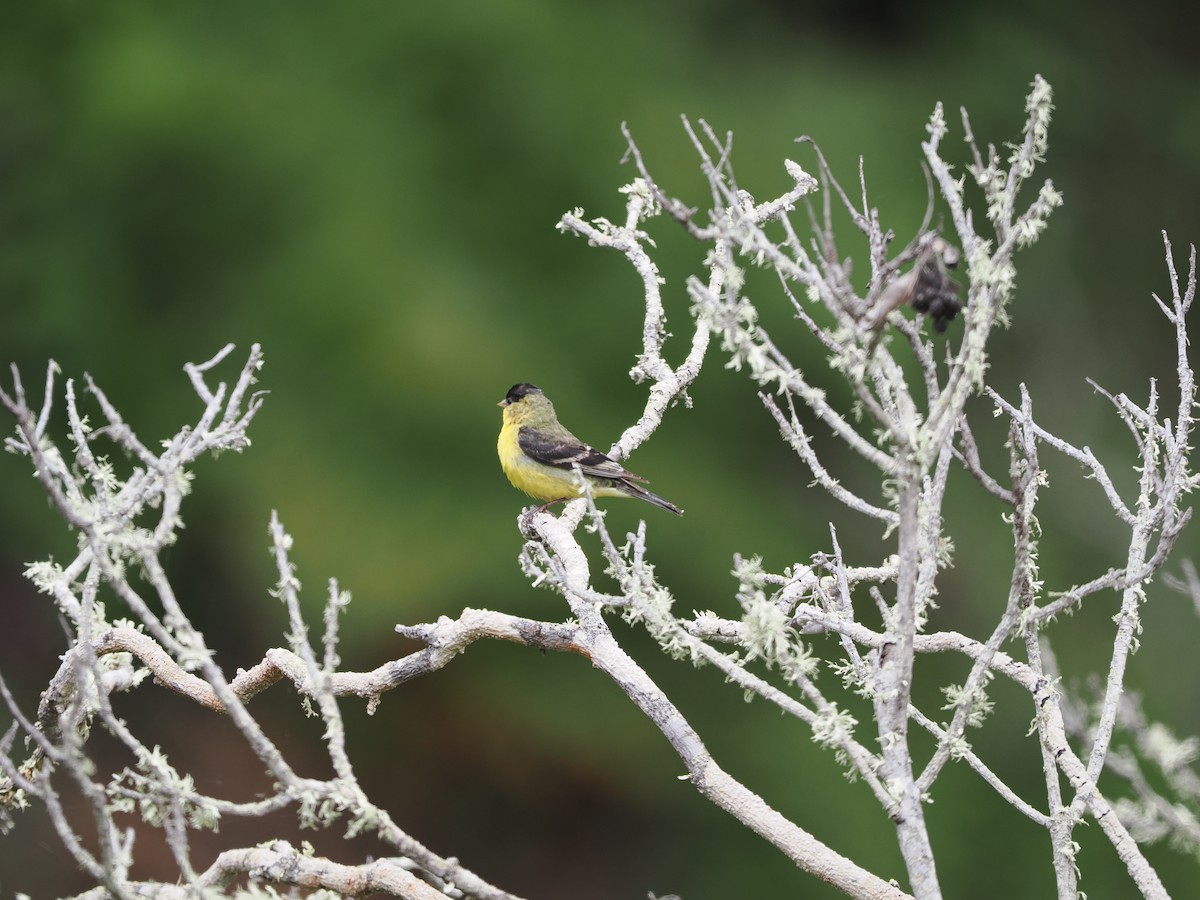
539	455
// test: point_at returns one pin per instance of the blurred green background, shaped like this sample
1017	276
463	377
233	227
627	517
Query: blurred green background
370	190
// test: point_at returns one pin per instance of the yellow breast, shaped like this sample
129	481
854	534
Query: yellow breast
539	481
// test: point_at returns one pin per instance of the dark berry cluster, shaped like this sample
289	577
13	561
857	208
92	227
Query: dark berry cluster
935	294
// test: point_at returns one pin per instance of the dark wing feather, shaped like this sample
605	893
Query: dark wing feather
564	451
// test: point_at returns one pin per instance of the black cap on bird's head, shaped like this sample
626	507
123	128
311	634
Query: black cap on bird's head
518	392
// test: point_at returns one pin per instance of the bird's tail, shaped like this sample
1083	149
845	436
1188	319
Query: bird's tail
636	490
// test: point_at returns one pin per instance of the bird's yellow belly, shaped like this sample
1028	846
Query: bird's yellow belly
543	482
539	481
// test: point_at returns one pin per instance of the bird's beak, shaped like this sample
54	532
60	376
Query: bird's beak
502	403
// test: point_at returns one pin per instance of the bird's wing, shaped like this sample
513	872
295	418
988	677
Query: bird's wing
564	451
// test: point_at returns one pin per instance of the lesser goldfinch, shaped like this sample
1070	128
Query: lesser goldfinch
539	456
